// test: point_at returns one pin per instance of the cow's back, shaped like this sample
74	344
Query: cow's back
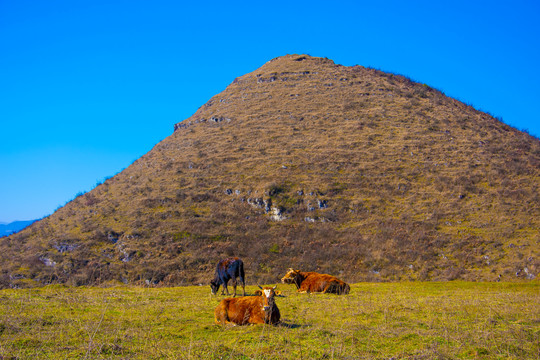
230	268
315	282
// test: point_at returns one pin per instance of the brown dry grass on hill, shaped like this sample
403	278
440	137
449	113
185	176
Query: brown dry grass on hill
304	163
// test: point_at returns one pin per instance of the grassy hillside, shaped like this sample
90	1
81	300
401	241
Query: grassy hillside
304	163
452	320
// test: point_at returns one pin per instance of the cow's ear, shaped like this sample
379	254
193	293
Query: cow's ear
278	293
258	292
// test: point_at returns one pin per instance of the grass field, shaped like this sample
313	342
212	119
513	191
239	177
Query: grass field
421	320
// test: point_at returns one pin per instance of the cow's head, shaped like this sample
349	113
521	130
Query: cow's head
267	294
214	287
292	277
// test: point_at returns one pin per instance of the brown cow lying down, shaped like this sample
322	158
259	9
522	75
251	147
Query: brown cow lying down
314	282
258	309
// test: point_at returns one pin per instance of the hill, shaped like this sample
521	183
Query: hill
304	163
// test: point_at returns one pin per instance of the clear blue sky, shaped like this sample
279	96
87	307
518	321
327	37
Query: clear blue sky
87	87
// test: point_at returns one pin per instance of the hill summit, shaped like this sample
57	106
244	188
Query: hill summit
303	163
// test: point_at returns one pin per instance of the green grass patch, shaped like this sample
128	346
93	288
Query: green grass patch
450	320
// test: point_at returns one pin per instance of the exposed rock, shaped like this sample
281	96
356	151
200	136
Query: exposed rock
62	248
256	202
125	255
260	203
181	125
528	274
113	237
47	261
218	119
277	214
267	205
187	123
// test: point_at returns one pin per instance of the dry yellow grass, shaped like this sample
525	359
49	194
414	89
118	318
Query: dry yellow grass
452	320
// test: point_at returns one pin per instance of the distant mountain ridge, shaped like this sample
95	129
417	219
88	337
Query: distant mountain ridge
303	163
13	227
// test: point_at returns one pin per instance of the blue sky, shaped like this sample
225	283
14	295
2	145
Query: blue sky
87	87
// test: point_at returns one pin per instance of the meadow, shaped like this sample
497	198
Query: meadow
416	320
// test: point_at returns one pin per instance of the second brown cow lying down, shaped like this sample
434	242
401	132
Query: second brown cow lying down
309	282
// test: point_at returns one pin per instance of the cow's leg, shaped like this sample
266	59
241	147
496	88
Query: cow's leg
234	286
225	287
328	289
304	288
242	276
243	286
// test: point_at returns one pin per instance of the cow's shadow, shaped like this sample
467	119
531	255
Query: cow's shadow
290	325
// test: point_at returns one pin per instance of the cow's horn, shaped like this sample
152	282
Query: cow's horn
260	287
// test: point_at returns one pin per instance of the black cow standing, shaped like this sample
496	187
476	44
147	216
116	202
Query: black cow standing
227	269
